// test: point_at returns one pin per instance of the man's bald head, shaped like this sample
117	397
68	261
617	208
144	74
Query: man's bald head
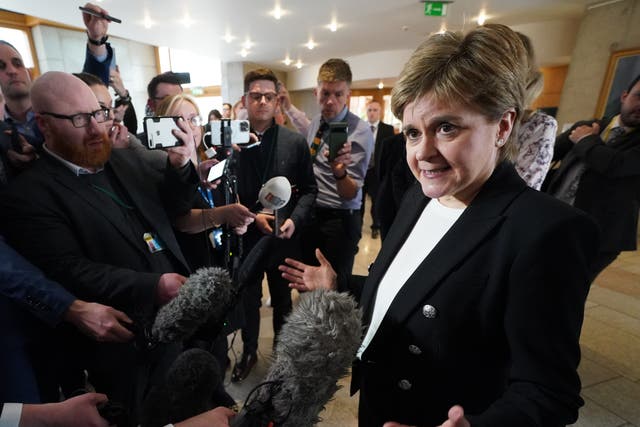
56	98
62	93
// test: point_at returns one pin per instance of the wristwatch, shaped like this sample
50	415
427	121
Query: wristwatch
97	42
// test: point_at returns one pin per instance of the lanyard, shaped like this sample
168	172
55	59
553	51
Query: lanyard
207	196
113	197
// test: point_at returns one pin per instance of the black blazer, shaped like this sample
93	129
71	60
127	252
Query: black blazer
384	131
609	189
491	318
57	222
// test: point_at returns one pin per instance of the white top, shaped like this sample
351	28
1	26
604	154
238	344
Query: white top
10	416
434	222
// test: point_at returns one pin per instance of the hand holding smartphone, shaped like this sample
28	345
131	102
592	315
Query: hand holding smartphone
216	171
337	138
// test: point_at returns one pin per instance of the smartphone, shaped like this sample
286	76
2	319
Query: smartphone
337	138
217	171
159	131
236	130
183	78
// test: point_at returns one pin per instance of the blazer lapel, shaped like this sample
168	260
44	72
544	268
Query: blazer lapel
408	214
477	222
141	196
74	184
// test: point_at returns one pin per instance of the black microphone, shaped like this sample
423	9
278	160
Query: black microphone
206	293
315	348
255	261
189	388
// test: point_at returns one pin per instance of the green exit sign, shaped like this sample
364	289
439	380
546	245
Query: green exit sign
435	8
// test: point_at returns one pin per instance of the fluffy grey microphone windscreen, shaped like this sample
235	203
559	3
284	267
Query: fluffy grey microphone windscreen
205	294
315	348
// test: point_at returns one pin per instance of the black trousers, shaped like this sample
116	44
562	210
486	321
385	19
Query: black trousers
337	233
371	187
278	289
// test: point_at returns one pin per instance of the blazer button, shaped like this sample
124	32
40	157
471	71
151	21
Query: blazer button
429	311
404	385
414	349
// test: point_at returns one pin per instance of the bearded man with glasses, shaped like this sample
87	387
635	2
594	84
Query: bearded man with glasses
100	222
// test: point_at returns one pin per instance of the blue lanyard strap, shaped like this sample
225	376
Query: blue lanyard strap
207	196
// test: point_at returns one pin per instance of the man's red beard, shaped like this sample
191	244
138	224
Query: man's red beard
93	153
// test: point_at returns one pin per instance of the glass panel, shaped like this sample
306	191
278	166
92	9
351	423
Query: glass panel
19	40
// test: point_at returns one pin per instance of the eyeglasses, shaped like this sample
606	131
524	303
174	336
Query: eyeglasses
196	121
82	120
257	96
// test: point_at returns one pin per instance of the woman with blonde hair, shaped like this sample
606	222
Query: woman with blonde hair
537	132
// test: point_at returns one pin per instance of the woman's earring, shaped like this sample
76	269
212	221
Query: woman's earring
499	142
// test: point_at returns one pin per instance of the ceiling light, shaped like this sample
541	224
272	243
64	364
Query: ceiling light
187	21
147	22
248	44
278	12
287	61
299	64
380	85
443	29
333	26
228	37
311	44
482	17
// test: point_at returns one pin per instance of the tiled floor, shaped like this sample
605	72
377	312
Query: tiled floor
610	341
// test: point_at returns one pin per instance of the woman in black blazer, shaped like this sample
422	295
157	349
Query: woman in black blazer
474	306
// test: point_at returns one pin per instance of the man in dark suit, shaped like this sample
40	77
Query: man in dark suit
381	131
99	222
280	153
600	174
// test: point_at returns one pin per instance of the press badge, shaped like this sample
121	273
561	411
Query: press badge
215	237
153	242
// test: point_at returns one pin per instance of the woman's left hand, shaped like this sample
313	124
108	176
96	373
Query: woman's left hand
203	172
456	419
304	277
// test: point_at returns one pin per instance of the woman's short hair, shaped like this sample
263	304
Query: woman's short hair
171	103
484	70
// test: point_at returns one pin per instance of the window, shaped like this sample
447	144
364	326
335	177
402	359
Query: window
20	40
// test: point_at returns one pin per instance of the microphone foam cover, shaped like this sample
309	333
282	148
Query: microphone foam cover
206	293
315	348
